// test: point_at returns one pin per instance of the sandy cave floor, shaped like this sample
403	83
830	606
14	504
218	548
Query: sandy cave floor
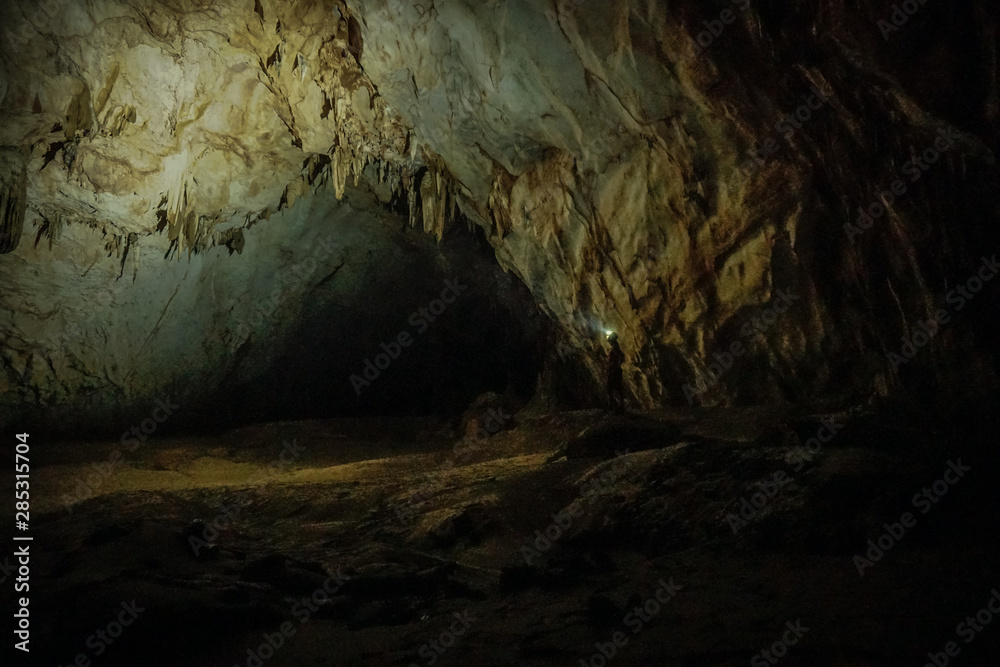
660	516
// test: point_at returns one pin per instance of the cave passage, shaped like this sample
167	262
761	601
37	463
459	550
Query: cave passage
376	332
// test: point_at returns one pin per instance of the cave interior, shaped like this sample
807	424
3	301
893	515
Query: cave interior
513	333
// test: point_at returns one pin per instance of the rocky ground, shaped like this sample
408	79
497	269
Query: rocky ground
418	541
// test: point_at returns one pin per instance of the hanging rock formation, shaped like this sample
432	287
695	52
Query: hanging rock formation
698	177
704	202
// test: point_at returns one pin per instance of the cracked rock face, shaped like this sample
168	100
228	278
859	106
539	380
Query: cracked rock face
154	136
162	162
188	192
145	116
695	199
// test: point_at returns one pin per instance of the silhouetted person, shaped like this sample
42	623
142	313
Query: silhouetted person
616	385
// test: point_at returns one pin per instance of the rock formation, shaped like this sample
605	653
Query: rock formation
767	201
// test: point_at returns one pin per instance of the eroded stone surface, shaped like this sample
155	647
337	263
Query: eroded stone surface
606	161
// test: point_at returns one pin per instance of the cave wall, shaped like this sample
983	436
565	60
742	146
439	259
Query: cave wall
164	163
274	332
206	203
608	155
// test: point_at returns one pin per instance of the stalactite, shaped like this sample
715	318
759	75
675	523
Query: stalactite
13	197
130	241
411	197
113	246
233	239
340	168
79	116
50	229
134	242
185	228
358	167
434	194
395	176
116	119
498	204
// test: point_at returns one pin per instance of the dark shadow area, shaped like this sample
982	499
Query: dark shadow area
489	338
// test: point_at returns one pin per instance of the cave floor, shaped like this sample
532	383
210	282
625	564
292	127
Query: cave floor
425	562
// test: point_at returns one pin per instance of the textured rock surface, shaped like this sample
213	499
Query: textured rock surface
183	229
605	159
423	531
608	160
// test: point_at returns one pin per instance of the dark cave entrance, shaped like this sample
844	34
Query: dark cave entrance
471	328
